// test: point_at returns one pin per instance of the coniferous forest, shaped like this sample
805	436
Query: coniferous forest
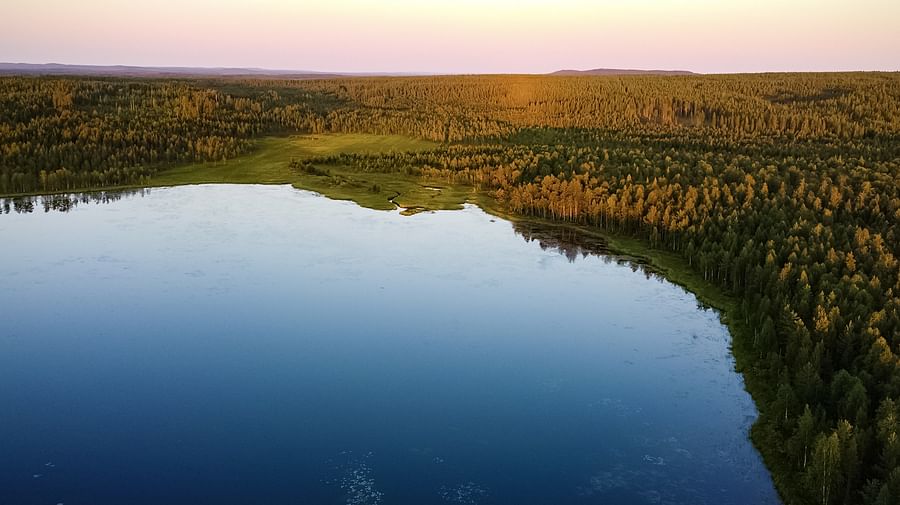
782	190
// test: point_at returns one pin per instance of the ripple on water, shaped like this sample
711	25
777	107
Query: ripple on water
467	492
357	482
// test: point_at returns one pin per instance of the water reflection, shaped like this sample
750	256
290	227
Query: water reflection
574	244
65	202
565	240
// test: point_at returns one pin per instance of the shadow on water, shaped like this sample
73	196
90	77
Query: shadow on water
575	244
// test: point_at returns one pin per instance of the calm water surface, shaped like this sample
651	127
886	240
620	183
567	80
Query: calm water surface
252	344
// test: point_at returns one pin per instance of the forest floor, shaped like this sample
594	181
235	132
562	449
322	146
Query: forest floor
269	162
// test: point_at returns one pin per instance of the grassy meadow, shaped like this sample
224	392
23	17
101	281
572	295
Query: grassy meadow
269	162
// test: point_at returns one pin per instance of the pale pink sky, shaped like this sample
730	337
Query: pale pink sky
458	36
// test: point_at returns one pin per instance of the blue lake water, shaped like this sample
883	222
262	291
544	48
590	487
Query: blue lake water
263	345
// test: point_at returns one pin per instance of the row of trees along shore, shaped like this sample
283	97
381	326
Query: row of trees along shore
781	189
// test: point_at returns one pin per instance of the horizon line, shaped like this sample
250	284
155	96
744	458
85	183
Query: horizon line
235	71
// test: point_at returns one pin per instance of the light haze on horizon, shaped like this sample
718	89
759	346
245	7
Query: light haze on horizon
459	36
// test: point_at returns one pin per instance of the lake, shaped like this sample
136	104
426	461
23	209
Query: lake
232	344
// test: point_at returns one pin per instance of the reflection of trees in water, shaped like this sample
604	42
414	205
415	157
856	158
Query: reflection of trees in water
64	202
573	244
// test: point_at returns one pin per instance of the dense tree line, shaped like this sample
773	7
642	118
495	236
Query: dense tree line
66	134
782	189
70	133
484	107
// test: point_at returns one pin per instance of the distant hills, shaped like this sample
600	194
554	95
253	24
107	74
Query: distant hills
621	71
137	71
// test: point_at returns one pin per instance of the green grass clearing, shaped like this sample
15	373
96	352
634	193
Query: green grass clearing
268	164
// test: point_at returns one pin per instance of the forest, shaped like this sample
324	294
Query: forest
782	190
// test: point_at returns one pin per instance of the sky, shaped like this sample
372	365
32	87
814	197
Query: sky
458	36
